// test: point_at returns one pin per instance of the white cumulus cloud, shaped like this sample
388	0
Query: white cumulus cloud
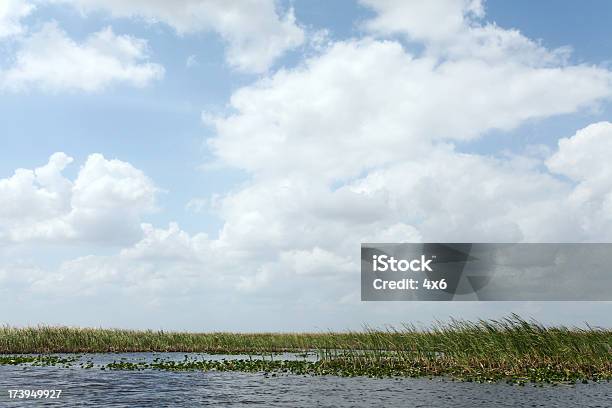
11	14
366	103
50	60
255	33
357	144
456	29
585	159
103	204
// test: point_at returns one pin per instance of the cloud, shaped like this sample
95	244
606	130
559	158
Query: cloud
459	197
11	13
163	262
585	159
50	60
255	33
283	236
424	21
583	156
191	61
103	204
367	103
36	194
298	239
456	29
198	205
357	144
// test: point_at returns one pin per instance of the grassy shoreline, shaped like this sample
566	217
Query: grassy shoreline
508	349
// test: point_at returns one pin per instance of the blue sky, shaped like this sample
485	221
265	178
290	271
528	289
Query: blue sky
234	168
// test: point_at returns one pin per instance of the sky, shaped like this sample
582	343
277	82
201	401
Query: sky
211	165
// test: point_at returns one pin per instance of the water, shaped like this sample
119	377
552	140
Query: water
105	388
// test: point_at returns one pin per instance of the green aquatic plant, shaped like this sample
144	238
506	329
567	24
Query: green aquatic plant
37	360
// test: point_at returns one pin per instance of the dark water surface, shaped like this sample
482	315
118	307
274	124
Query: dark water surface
106	388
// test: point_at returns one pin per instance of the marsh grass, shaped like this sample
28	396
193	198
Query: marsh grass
510	348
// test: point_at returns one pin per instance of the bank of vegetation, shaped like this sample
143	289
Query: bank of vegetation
510	349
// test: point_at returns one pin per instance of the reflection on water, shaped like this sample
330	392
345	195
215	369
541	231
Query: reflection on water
95	387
